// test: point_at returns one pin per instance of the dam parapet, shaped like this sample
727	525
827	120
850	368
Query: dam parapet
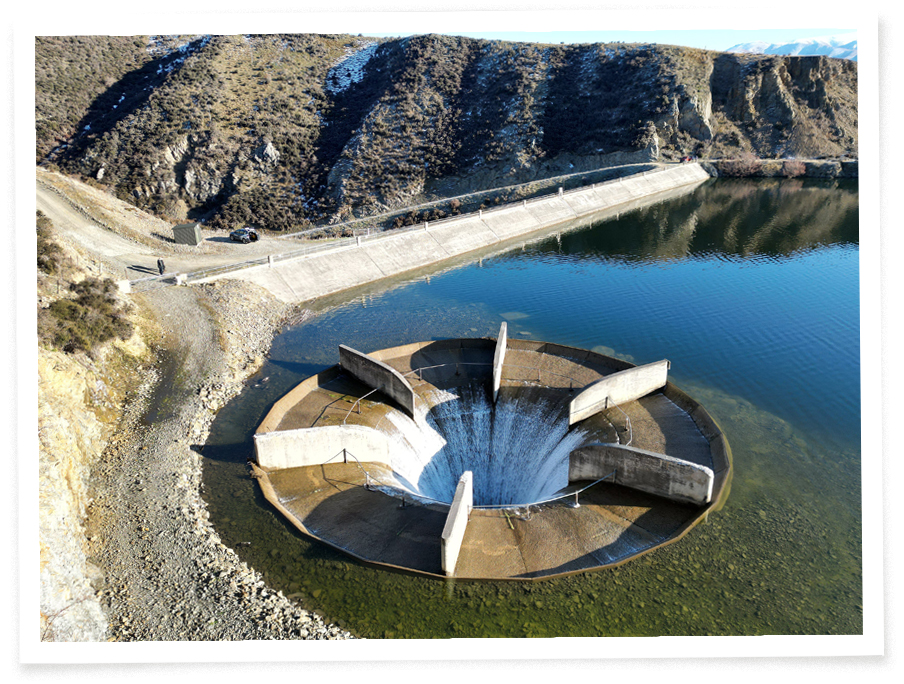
321	270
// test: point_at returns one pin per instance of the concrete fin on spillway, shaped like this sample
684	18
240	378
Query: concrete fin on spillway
378	375
499	359
659	474
618	388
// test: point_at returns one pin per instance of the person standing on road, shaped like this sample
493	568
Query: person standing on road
160	266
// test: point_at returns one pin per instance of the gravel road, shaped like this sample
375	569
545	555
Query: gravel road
126	243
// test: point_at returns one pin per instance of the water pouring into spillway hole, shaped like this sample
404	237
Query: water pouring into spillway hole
517	450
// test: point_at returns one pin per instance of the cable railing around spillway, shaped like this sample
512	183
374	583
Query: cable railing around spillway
575	494
627	422
345	453
357	405
419	499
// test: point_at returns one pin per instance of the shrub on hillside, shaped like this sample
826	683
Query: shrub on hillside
747	164
793	168
93	316
50	255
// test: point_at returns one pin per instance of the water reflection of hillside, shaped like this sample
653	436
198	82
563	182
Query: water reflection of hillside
728	217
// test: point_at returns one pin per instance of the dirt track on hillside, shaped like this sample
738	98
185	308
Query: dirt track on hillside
126	243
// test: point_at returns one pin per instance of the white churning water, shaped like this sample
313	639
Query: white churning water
518	450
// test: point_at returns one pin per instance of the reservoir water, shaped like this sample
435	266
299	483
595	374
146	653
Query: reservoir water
751	290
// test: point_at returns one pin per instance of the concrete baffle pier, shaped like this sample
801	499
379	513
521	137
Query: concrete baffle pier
499	359
314	446
648	471
378	375
457	521
618	388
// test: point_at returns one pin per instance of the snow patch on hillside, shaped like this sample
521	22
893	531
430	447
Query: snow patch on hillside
588	66
162	47
350	69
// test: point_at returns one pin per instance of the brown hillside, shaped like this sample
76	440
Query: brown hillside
285	131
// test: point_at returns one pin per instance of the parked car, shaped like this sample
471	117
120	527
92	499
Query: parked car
244	235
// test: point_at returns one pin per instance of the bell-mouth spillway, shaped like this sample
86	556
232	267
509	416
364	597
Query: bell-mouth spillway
491	459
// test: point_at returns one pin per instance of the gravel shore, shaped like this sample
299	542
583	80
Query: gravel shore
163	573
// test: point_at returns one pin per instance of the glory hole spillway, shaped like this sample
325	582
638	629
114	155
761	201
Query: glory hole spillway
491	459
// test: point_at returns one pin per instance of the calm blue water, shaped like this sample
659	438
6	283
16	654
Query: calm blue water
750	289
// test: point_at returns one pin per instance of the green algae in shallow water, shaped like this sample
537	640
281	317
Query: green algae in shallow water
786	573
743	330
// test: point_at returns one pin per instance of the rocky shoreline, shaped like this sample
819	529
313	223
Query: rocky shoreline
752	167
163	572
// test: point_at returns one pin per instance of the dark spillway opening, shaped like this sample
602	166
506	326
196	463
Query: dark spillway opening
517	449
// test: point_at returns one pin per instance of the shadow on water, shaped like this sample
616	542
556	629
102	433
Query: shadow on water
296	368
232	431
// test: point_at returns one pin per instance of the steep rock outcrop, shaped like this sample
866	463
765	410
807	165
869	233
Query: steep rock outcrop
79	404
786	106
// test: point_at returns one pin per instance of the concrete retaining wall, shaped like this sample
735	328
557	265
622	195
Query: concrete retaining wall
551	211
511	221
382	256
499	359
378	375
405	252
314	446
618	388
616	193
463	235
672	478
457	522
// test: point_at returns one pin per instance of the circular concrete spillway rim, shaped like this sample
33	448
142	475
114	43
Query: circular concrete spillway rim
404	357
469	432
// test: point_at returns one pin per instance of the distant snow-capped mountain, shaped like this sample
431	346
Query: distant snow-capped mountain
843	46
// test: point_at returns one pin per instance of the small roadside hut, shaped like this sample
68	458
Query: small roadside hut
187	234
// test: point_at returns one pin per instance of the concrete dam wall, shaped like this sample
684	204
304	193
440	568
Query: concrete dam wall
384	255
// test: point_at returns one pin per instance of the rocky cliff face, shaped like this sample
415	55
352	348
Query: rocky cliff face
79	404
786	107
282	131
